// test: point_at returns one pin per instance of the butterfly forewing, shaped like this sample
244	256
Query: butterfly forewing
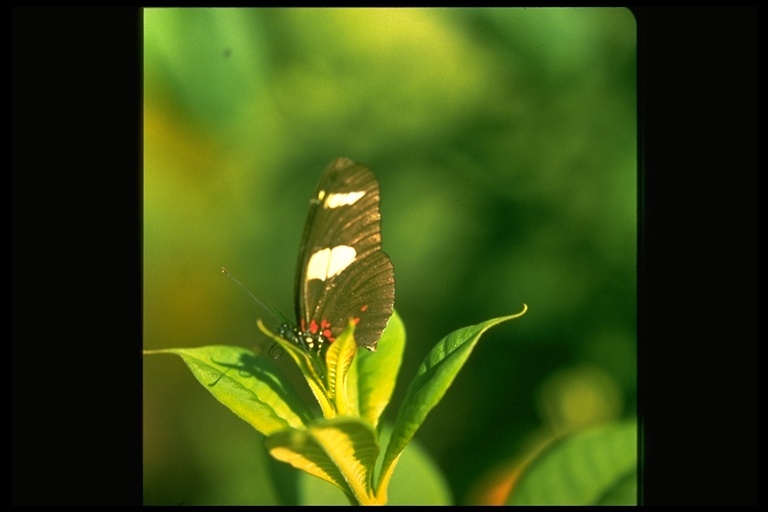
342	273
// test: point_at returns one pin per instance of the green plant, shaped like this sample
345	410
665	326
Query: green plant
343	445
596	465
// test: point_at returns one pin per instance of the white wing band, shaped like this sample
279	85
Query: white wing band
328	262
336	200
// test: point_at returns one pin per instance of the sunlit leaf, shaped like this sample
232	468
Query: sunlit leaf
301	450
597	466
377	371
417	481
341	451
250	386
432	380
339	359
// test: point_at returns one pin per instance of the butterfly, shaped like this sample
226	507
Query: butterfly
342	273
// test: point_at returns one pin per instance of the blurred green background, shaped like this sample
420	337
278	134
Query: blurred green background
505	141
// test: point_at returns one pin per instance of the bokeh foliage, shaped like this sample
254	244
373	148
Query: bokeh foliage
505	144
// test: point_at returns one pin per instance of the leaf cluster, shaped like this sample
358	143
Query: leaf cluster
353	387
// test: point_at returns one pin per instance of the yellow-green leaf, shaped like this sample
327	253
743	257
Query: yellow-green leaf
339	359
249	385
377	371
341	451
432	380
417	481
300	449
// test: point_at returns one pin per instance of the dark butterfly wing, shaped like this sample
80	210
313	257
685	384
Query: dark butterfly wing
342	272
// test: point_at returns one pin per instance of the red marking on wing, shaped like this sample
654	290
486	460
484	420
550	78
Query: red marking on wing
325	327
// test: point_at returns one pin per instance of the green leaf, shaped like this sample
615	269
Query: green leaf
596	466
341	451
417	481
249	385
377	371
301	450
339	359
432	380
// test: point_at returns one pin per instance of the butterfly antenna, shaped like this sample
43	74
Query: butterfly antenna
271	310
274	351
